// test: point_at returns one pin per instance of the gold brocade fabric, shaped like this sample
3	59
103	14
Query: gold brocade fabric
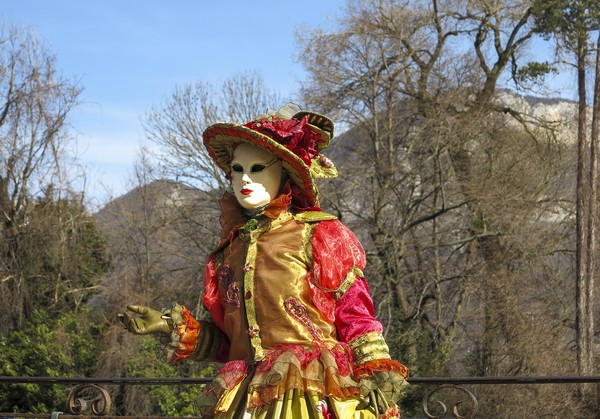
262	278
291	350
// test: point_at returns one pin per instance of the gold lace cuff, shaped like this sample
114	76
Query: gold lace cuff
369	347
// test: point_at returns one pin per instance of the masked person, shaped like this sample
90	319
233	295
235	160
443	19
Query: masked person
290	311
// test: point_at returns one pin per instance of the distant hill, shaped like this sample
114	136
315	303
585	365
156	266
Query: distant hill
159	235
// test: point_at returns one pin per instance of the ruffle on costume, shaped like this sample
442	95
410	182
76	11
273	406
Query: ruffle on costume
190	338
321	370
368	369
293	382
182	338
287	369
188	331
385	374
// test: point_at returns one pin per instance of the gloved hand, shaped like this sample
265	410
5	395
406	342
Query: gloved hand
381	391
151	321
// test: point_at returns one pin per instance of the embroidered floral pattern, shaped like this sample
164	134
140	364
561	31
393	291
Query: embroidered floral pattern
225	275
232	291
252	331
232	295
247	267
295	309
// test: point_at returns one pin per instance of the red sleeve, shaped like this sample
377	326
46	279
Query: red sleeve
354	318
211	299
354	314
335	252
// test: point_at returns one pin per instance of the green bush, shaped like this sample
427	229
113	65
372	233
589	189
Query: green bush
166	400
65	346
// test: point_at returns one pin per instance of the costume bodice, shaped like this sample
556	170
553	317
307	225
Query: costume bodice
263	287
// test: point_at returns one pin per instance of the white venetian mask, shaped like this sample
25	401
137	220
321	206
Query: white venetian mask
256	176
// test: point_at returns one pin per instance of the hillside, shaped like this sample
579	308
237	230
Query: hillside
159	235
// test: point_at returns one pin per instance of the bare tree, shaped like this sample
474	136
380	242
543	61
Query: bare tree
446	180
35	103
176	126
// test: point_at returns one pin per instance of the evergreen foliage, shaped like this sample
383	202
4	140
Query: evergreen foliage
164	400
48	346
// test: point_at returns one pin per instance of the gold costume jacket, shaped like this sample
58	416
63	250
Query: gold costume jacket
290	311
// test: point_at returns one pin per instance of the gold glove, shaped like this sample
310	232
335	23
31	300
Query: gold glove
381	391
375	400
151	321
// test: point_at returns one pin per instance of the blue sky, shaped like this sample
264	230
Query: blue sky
130	54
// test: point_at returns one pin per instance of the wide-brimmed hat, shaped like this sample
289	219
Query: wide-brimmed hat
295	137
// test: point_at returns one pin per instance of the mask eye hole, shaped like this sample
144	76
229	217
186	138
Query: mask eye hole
257	168
237	168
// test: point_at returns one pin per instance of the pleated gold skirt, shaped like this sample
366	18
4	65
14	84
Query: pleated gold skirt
297	404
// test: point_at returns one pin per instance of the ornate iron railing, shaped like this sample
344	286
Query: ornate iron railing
448	396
